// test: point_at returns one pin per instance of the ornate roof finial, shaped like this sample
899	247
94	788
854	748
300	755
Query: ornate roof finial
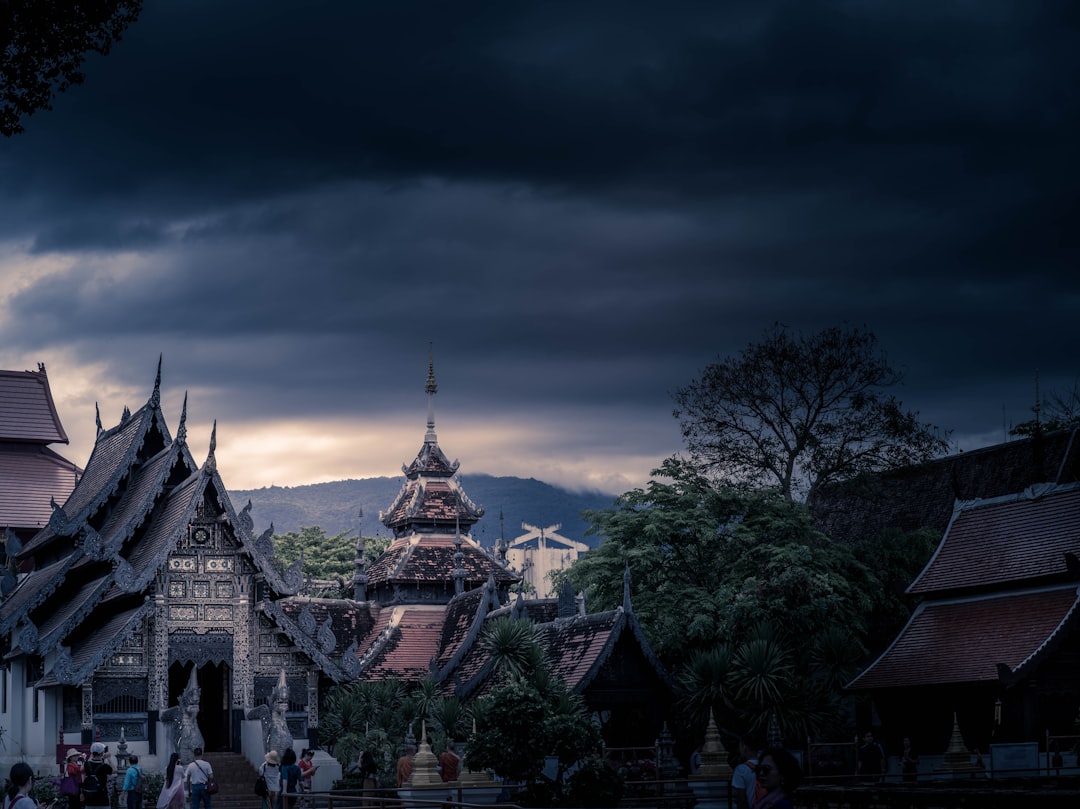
97	418
626	590
181	430
155	397
360	576
211	461
431	388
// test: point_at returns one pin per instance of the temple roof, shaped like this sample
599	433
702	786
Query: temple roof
993	543
432	499
429	559
923	496
27	412
30	477
964	640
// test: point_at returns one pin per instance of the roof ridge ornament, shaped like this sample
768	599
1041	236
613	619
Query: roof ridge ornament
211	461
181	430
431	388
97	418
626	591
155	397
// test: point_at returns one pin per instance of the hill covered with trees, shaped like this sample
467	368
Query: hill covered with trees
334	506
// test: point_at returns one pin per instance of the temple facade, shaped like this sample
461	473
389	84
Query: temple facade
149	612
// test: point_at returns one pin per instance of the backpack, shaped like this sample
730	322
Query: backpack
91	785
260	786
759	788
140	782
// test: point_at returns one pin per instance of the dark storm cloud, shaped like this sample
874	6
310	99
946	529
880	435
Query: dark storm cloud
581	202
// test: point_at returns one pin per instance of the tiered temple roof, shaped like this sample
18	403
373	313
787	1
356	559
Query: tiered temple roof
999	591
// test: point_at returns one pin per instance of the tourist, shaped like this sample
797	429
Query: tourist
779	773
95	782
198	774
871	763
307	771
271	771
20	782
290	780
134	783
744	781
909	762
172	791
71	779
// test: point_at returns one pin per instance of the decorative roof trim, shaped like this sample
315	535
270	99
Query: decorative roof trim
307	645
107	650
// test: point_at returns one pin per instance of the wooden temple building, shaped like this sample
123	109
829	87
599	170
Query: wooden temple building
995	638
142	572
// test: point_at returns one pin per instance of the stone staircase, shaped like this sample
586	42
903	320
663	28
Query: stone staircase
236	779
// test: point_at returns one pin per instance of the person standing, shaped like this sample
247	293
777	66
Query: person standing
307	772
20	782
133	783
271	771
780	774
449	762
71	782
909	761
744	781
198	774
405	765
96	772
290	780
172	791
872	761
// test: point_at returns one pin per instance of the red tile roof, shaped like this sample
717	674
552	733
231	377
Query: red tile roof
1005	541
578	646
27	412
429	558
962	641
415	642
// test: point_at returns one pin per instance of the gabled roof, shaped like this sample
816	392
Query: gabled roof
27	412
988	638
922	496
1004	541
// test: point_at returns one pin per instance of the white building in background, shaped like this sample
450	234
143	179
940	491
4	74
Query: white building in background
538	552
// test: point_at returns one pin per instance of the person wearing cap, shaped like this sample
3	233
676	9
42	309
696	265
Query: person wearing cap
271	771
100	769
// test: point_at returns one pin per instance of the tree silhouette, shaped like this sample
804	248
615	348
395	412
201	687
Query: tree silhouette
43	44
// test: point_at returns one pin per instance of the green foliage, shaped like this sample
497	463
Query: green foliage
325	557
368	715
529	716
43	44
797	411
756	610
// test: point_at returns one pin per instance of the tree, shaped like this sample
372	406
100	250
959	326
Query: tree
43	44
757	611
529	715
1058	411
325	557
798	411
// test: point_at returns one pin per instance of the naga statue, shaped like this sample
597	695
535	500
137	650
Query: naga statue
185	720
276	734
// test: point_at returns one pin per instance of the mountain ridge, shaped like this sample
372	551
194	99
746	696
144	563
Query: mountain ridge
334	506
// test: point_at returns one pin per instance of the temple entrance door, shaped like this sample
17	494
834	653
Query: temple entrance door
214	715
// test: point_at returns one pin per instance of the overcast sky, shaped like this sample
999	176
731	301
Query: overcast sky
580	205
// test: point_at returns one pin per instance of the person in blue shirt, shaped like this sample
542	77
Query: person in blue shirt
133	783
